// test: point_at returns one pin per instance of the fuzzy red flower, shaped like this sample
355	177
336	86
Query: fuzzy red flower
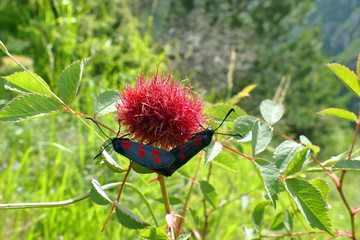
159	111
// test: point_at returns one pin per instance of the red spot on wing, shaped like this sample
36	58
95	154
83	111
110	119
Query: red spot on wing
158	160
141	147
126	144
141	154
182	156
182	148
155	153
197	141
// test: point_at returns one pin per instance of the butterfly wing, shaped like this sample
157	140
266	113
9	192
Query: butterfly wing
187	151
145	155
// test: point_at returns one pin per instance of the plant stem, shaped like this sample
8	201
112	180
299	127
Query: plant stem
164	193
119	195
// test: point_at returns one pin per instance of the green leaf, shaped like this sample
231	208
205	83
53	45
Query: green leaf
257	215
128	219
97	194
321	185
310	203
106	102
212	151
184	236
340	113
261	137
249	233
154	234
304	140
23	82
347	165
29	106
111	163
288	221
348	77
270	175
219	111
245	200
194	216
297	163
226	161
284	153
172	200
278	222
271	111
69	81
244	125
209	193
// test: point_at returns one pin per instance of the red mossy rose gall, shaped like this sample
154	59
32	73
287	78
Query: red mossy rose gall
158	110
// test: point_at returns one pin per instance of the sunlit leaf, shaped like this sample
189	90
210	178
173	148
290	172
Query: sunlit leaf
271	111
347	165
284	153
154	234
340	113
70	80
105	102
29	106
23	82
347	77
261	137
310	202
212	151
257	215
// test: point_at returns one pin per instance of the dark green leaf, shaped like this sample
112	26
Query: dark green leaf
288	221
310	202
347	165
212	151
105	102
29	106
69	81
128	219
25	83
271	111
257	215
98	195
278	222
347	77
194	216
173	200
270	175
340	113
284	153
154	234
297	163
209	193
261	137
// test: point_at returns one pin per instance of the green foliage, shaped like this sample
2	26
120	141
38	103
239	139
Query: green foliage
54	163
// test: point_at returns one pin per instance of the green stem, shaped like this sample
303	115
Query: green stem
164	193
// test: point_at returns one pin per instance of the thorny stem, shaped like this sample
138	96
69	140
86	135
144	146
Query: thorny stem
119	195
181	219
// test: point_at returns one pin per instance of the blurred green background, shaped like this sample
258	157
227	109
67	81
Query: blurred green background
279	45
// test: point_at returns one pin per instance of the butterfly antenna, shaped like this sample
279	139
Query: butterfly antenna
98	126
231	110
198	122
102	150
